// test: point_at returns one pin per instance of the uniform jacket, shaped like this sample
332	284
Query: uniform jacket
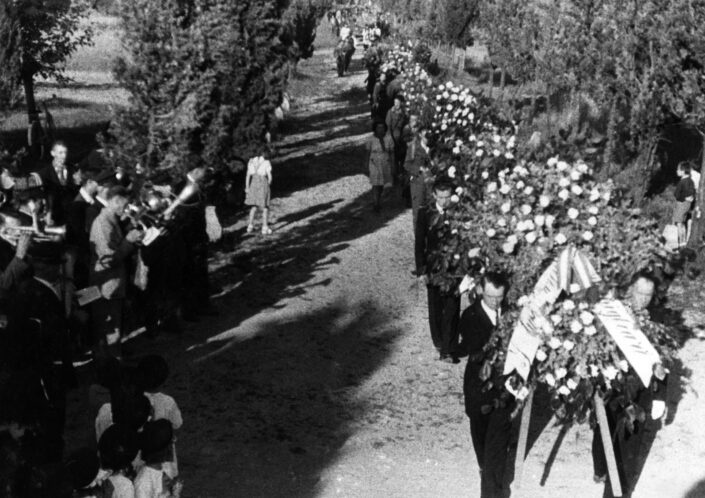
109	253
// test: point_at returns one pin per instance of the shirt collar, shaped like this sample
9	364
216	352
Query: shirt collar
491	314
53	287
101	201
86	196
440	209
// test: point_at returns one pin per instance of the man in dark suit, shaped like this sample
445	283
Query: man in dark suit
77	227
58	181
489	413
443	306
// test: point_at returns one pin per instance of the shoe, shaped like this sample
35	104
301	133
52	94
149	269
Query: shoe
266	231
599	478
250	228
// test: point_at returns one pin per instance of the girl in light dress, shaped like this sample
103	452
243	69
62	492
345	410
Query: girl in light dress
257	190
380	157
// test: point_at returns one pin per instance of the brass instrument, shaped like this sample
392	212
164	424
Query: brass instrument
14	224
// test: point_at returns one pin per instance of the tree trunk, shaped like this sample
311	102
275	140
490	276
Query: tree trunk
28	84
490	80
698	228
502	82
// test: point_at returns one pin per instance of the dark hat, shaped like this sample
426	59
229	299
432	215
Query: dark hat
83	466
105	176
156	436
118	447
153	371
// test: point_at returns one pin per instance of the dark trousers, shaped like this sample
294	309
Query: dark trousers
107	320
417	187
443	315
491	434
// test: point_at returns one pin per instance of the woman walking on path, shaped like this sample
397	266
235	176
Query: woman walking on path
380	156
257	191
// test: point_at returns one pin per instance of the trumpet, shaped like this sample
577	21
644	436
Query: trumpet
12	234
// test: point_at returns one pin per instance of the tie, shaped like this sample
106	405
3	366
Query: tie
61	173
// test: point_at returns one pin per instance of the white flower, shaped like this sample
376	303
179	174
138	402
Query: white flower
519	185
568	345
564	182
451	172
576	189
525	210
479	152
444	127
506	207
541	355
593	210
587	318
531	237
508	248
574	287
512	239
561	372
459	190
588	236
592	221
594	195
485	176
492	186
552	161
449	107
560	239
575	326
572	385
582	167
564	194
529	190
549	220
594	371
575	176
607	196
505	189
550	379
491	232
508	155
474	252
556	318
496	139
496	153
480	143
624	365
568	305
456	256
573	213
454	198
562	166
554	343
523	300
564	391
502	222
454	231
521	226
610	372
539	220
583	306
544	201
456	150
590	330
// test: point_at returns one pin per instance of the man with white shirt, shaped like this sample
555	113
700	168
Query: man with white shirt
490	425
58	182
443	305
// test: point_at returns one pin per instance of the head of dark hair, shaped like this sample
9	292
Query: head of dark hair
399	97
83	466
116	191
131	409
58	143
686	167
497	279
442	185
152	371
156	439
379	124
118	447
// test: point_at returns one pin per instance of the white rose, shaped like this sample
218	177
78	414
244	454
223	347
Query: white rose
508	155
587	318
593	210
554	343
583	306
574	287
496	139
549	220
444	127
449	107
485	175
564	195
456	150
531	237
451	172
491	232
550	379
496	153
594	195
526	209
519	185
575	176
544	201
594	371
454	231
590	330
573	213
624	365
480	143
512	239
505	189
592	221
568	305
610	372
529	224
582	167
588	236
568	345
454	198
562	166
492	186
472	138
529	190
552	161
561	372
541	355
479	152
456	256
563	182
459	190
564	391
506	207
576	189
560	239
572	385
508	248
539	220
521	226
556	318
575	326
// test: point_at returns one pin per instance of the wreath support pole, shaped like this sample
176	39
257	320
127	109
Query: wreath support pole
607	445
523	439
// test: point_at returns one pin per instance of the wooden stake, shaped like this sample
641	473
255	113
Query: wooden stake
523	439
607	445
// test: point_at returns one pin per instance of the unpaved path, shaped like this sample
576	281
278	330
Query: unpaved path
319	379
